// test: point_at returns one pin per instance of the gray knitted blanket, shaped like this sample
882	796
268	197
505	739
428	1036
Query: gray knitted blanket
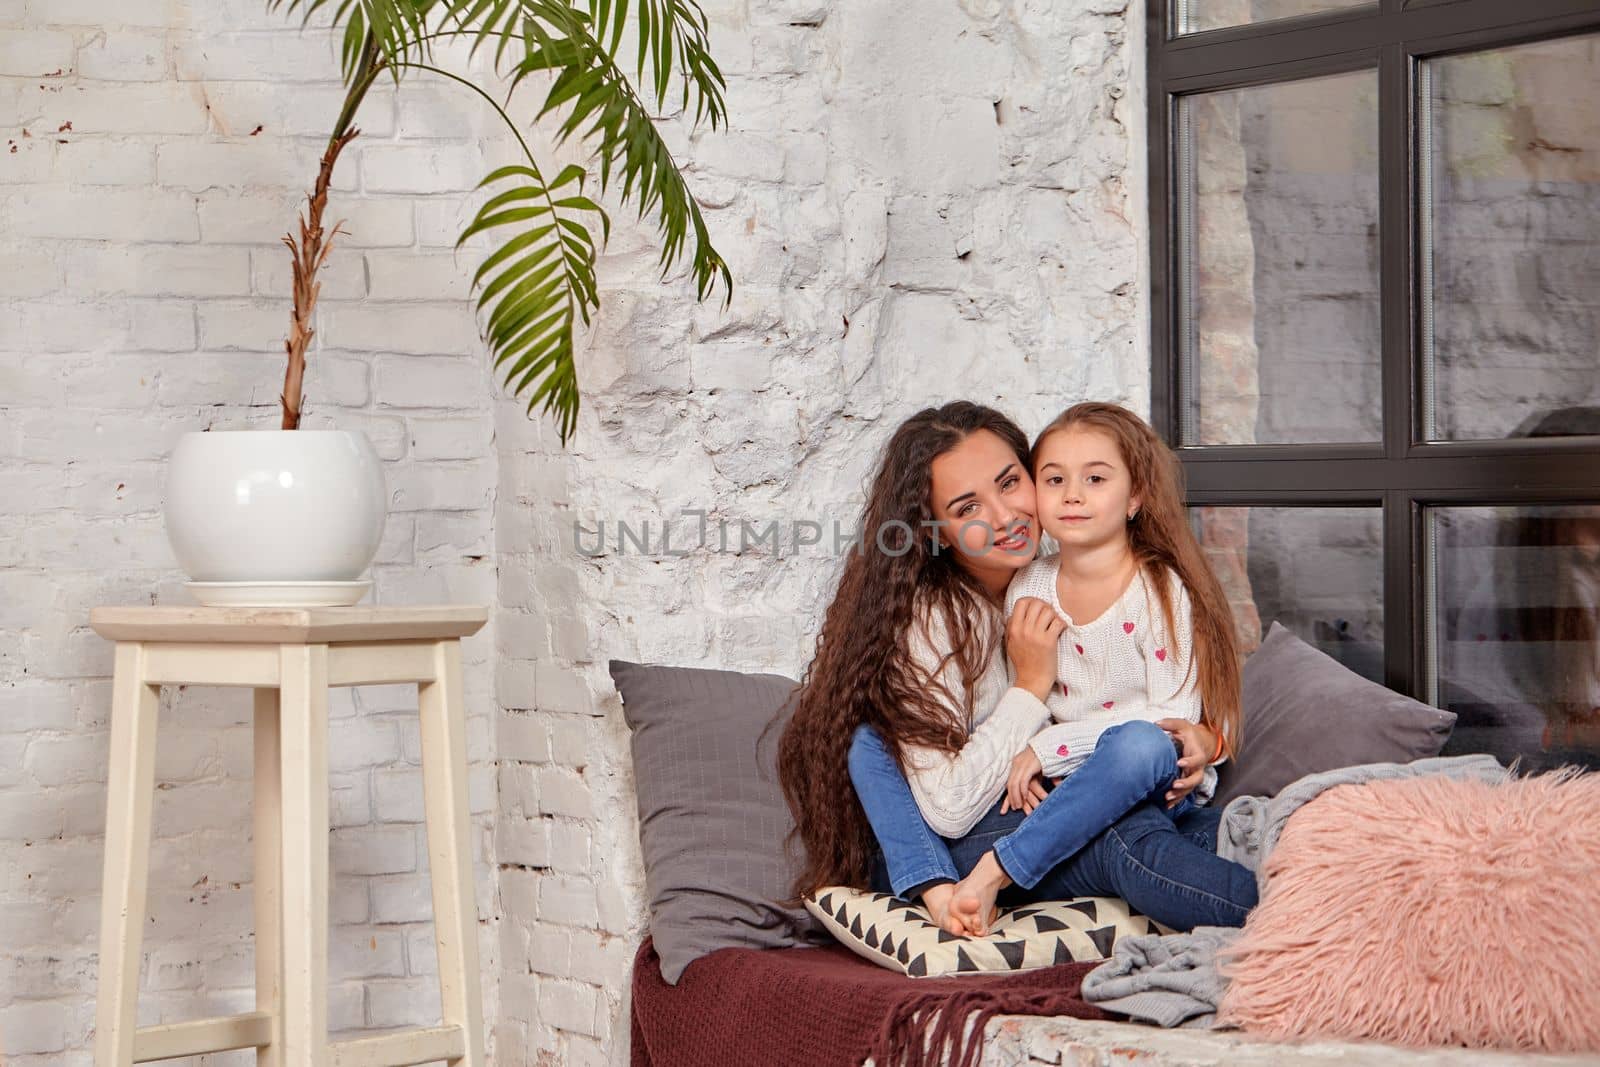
1172	980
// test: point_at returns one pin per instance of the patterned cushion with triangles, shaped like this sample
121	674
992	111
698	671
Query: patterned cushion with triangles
902	937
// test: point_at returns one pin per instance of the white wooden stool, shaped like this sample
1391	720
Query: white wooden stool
290	656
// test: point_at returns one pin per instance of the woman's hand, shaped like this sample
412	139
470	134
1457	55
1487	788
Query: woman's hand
1198	744
1031	635
1025	784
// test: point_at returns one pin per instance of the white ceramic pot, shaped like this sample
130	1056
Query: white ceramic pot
275	506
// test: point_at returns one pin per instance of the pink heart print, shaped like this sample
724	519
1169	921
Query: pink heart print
1161	654
1063	688
1108	703
1062	751
1127	627
1079	648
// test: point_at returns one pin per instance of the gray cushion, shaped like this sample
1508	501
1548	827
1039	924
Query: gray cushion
712	818
1304	713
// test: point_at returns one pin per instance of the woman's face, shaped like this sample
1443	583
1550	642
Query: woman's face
982	498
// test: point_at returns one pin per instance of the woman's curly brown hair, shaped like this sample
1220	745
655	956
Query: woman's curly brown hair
862	671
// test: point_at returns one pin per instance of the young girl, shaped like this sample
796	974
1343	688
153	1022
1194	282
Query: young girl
896	756
1148	650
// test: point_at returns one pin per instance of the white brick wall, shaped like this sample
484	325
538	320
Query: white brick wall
913	213
143	293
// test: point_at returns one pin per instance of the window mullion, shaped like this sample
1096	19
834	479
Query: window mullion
1402	595
1396	185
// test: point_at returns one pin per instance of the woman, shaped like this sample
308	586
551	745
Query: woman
910	662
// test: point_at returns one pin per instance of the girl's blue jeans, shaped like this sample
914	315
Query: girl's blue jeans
1104	831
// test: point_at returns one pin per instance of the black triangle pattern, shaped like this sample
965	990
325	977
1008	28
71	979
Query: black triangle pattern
1047	924
871	937
1087	907
964	961
826	903
855	928
1012	952
903	954
1152	928
1063	954
1103	937
887	948
918	968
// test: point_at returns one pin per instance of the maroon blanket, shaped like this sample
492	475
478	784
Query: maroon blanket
823	1006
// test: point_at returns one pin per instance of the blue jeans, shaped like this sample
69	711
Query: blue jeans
1121	841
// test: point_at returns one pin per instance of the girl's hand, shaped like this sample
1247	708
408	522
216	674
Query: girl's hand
1198	744
1025	784
1031	636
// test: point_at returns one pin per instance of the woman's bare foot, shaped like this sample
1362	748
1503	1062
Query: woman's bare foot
973	904
937	900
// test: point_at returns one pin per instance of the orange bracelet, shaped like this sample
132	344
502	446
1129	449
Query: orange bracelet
1219	748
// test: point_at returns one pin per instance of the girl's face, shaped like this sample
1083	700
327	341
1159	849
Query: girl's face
982	498
1085	492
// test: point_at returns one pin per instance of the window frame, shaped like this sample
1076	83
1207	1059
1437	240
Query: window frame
1402	472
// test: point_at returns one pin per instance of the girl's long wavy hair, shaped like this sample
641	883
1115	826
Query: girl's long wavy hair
1162	541
862	671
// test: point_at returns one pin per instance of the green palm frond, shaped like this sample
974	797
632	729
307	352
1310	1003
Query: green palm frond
673	34
669	30
534	330
487	20
596	92
393	27
540	284
544	279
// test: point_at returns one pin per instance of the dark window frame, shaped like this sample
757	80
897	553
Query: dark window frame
1402	472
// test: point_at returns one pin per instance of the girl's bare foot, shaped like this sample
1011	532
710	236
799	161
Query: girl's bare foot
973	904
937	900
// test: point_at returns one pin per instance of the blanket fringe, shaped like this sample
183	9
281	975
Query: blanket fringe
940	1028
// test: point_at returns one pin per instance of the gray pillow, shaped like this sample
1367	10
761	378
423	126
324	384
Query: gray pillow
712	818
1304	712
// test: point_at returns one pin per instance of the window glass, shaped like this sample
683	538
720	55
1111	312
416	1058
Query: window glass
1514	593
1318	571
1511	241
1278	316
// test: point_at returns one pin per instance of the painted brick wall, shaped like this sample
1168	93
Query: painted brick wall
155	152
915	211
914	214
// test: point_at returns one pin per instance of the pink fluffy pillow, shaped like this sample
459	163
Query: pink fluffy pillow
1430	911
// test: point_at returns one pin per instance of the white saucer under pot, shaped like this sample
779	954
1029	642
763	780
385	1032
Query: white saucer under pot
278	594
275	517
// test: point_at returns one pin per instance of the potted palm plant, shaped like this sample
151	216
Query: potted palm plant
292	516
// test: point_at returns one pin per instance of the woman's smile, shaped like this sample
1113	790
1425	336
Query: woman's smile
1015	541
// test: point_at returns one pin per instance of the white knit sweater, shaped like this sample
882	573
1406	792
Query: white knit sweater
955	790
1122	666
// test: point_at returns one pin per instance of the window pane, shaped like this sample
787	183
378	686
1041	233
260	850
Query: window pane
1278	263
1514	593
1318	571
1192	16
1511	260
